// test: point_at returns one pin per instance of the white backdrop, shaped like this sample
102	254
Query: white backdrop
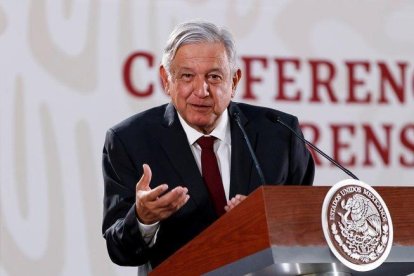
345	68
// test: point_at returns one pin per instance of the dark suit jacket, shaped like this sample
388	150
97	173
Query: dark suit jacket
157	138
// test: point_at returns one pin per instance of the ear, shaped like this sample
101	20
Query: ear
164	79
235	80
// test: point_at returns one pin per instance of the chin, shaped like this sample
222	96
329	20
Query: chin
201	124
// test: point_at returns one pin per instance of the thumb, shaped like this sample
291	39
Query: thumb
143	183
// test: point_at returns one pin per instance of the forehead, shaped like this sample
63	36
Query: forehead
201	55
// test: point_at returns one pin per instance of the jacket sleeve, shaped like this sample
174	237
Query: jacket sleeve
120	226
301	164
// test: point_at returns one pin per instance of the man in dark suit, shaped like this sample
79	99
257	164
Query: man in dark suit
157	191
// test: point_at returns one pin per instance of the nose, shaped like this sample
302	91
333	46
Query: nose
200	87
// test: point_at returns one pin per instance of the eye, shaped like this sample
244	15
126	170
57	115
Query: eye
214	78
186	76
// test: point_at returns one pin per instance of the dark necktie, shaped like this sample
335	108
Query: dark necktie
211	173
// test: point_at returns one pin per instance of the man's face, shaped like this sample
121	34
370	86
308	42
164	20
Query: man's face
201	84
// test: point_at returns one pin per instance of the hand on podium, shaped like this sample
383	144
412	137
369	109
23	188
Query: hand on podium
234	202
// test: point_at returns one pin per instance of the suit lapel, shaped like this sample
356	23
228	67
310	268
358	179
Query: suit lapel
174	142
241	162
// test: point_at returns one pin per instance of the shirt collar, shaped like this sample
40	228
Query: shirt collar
221	132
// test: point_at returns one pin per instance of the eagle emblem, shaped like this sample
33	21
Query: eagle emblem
357	225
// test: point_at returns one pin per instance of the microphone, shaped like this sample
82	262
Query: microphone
236	118
275	118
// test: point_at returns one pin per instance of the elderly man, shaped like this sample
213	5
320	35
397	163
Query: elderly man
172	170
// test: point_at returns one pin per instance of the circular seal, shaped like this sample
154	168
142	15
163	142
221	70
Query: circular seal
357	225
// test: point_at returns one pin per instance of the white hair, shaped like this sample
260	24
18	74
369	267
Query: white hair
193	32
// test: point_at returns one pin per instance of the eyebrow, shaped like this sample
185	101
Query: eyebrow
215	70
190	69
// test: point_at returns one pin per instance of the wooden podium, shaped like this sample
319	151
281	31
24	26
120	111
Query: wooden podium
277	230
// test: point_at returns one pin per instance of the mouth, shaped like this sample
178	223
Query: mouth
200	107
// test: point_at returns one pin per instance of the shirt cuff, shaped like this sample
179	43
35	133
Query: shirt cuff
149	232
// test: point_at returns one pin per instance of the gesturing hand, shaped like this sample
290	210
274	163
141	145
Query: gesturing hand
151	205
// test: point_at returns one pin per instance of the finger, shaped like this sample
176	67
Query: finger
173	207
155	193
161	213
170	204
172	196
241	197
228	207
143	183
233	202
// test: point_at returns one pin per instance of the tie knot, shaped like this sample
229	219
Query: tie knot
206	142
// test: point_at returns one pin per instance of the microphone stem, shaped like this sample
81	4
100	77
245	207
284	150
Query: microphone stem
255	161
319	151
